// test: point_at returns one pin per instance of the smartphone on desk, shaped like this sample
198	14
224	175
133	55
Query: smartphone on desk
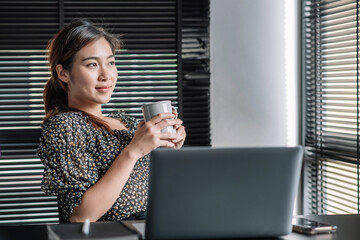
311	227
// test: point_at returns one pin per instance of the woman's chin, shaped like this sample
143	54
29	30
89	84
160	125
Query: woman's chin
104	101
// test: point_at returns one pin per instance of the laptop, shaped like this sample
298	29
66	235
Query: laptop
209	193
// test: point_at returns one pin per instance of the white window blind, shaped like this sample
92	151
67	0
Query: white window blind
332	107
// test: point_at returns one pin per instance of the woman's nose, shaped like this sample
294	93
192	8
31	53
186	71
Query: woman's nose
104	74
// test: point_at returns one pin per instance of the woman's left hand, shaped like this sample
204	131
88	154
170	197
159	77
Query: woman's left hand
181	133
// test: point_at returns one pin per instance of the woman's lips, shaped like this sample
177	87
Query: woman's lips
103	89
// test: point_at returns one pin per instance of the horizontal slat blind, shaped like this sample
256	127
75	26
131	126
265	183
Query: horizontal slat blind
22	77
195	56
331	60
148	67
27	24
25	28
21	199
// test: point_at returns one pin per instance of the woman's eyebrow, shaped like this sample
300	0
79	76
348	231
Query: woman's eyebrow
96	58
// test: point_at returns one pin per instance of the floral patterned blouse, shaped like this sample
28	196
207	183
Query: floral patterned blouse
76	155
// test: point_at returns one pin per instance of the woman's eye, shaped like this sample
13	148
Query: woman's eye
91	65
112	63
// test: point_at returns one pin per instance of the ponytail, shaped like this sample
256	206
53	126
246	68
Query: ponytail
55	98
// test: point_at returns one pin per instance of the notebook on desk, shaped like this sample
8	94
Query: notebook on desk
204	193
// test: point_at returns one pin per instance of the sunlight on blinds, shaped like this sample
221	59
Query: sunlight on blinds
332	107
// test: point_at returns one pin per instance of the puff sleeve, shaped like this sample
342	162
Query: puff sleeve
69	169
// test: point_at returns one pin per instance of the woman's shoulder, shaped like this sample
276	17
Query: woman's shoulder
66	120
62	129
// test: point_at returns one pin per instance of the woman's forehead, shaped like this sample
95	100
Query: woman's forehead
99	48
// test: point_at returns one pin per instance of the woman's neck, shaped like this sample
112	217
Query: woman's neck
93	110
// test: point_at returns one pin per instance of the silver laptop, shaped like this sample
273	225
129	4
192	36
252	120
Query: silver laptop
202	193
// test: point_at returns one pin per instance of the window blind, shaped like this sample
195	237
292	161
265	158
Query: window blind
149	69
331	100
195	60
25	28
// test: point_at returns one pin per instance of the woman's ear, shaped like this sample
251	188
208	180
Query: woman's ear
62	73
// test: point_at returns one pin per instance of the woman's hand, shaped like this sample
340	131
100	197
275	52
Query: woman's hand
148	135
180	132
179	141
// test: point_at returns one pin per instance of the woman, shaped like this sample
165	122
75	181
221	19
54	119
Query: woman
96	165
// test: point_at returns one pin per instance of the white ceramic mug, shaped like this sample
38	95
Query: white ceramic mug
150	110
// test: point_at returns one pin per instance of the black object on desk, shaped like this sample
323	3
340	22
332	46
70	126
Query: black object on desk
26	232
98	230
73	231
312	227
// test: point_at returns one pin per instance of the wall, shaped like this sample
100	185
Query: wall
254	94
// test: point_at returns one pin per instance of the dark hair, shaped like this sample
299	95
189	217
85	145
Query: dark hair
61	50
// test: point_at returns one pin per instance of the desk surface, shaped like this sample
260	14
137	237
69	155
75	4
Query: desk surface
348	229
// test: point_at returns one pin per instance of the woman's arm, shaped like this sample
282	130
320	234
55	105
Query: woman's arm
99	198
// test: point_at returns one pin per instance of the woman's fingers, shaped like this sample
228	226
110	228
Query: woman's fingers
168	136
175	112
174	137
168	122
181	134
161	116
164	120
167	144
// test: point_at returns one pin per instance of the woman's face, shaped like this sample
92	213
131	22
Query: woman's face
93	76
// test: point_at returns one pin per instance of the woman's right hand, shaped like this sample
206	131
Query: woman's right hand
148	135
